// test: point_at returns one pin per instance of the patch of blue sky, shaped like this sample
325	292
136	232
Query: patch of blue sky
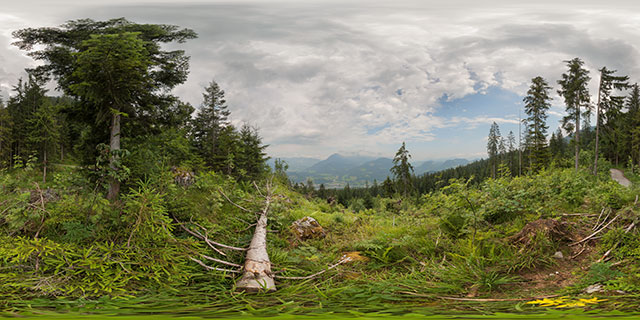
468	121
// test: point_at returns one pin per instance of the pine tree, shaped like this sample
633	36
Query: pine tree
633	105
5	133
44	133
575	91
114	72
387	187
209	124
251	158
537	103
402	170
493	147
29	96
609	111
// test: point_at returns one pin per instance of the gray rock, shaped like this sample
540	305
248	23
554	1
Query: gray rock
558	255
307	228
594	288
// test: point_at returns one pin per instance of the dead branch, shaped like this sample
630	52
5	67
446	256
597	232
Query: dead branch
598	221
579	214
606	254
258	189
212	268
221	261
211	242
233	203
343	260
249	227
201	237
241	220
603	221
598	231
579	253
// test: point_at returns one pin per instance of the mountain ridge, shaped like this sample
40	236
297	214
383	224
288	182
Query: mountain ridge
338	170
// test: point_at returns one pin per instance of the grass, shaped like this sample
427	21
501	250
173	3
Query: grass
411	262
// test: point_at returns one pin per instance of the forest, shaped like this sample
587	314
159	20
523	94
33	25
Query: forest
119	198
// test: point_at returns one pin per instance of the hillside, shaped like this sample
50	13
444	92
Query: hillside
496	243
358	171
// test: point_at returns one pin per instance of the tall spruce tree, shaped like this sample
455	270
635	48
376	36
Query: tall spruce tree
209	124
537	103
609	114
252	158
29	96
633	105
493	147
44	133
71	55
557	145
402	170
5	135
575	91
113	73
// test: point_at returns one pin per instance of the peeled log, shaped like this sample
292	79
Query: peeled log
257	274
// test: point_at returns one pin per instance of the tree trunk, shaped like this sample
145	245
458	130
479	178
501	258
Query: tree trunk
577	135
595	161
61	152
257	266
44	166
114	145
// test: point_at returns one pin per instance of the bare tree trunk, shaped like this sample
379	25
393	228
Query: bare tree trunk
257	266
577	136
114	145
595	161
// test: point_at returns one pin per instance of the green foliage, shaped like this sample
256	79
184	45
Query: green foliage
537	103
402	170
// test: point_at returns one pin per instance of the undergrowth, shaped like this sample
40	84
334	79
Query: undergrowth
65	247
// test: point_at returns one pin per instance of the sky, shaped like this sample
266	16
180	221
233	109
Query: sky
361	77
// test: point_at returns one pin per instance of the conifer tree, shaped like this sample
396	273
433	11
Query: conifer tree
633	105
557	145
210	123
575	91
402	170
5	131
493	147
113	73
44	133
608	114
536	106
252	157
29	96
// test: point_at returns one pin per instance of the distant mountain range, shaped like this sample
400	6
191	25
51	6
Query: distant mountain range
338	170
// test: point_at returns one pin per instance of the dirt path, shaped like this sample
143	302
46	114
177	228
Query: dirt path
618	175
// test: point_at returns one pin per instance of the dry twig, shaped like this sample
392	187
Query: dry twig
343	260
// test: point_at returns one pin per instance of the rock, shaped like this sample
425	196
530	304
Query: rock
558	255
593	288
183	177
48	195
307	228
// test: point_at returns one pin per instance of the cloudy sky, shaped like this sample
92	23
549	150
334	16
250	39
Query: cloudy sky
319	77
